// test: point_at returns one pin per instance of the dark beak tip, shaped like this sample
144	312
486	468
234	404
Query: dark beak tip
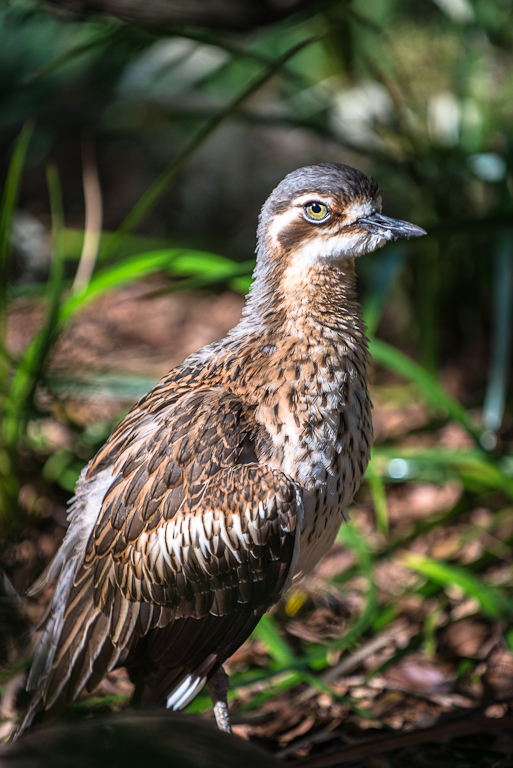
395	229
416	232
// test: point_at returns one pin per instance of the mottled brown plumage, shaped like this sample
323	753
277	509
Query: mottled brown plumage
232	475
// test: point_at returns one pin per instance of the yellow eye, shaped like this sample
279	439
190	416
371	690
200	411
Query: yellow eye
316	211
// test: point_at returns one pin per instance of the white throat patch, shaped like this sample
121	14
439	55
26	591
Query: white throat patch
337	246
319	251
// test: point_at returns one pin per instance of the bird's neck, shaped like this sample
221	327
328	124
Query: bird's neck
303	301
299	357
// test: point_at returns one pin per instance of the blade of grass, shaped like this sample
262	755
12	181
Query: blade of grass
350	537
30	369
9	203
377	488
235	51
77	50
228	273
177	261
396	361
104	385
322	687
493	603
114	699
384	276
277	647
495	399
121	273
429	628
473	467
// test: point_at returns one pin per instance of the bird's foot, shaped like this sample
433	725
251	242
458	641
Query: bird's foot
218	688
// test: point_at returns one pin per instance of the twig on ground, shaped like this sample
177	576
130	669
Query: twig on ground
437	733
352	660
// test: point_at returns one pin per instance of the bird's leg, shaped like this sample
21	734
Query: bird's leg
218	688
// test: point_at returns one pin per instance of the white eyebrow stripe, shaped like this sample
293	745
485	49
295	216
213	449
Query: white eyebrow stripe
311	197
354	212
281	221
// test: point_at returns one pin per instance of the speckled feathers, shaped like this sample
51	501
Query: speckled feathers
230	476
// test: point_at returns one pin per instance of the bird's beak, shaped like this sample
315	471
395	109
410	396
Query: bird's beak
391	229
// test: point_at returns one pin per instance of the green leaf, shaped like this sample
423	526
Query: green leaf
104	385
316	682
77	50
377	488
385	274
476	469
396	361
31	366
127	271
350	537
206	268
493	603
9	203
268	633
201	263
241	284
117	275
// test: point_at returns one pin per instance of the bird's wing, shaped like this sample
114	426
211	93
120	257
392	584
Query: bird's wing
189	549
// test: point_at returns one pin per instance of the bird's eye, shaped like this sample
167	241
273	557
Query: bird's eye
316	211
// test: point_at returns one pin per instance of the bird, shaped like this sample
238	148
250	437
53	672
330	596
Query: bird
232	476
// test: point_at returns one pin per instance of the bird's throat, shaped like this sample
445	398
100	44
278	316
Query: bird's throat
325	293
296	299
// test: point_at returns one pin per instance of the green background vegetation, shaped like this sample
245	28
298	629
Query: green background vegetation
418	94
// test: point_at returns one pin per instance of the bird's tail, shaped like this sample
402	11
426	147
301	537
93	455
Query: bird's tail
16	634
74	651
174	688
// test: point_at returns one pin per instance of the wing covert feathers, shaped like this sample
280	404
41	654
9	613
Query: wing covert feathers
227	548
176	547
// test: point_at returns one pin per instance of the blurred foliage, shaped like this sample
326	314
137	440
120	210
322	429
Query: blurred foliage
420	95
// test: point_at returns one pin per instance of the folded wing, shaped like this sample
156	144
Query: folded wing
193	541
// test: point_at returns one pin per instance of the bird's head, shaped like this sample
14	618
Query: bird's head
311	228
325	213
